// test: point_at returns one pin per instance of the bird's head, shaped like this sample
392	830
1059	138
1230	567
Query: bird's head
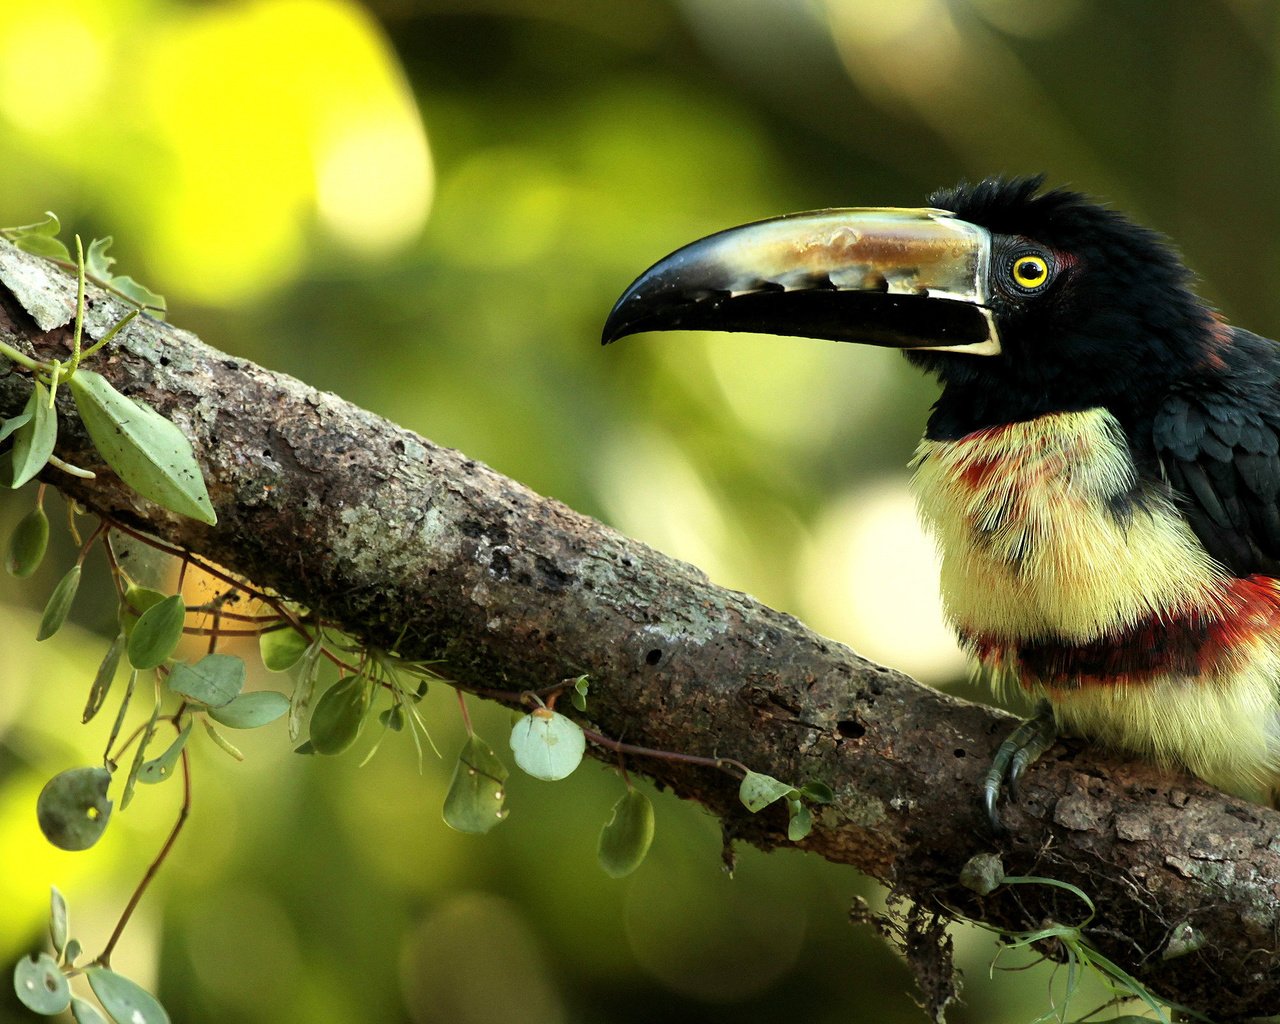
1022	302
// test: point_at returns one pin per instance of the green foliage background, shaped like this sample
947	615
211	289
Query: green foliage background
429	208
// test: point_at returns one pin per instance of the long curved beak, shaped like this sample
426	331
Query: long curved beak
912	279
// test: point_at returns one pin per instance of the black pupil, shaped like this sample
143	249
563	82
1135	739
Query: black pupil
1030	270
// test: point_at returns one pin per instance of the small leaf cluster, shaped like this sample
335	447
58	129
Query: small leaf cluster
41	239
73	809
341	713
548	746
42	982
147	451
758	791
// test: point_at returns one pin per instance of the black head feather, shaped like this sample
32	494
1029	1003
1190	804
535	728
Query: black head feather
1118	322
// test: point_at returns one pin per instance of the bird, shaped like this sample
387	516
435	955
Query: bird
1100	471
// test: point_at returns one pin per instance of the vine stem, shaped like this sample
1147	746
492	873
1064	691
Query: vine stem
21	358
466	715
104	958
725	764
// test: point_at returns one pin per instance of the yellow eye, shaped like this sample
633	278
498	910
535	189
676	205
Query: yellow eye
1031	272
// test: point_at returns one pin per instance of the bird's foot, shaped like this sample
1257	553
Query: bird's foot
1023	747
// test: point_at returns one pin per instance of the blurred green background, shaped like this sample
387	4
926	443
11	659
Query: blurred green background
429	208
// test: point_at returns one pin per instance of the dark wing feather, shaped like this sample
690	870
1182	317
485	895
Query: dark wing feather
1220	451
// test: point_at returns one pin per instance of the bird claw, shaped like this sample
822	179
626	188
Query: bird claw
1021	748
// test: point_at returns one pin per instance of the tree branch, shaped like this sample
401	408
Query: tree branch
397	539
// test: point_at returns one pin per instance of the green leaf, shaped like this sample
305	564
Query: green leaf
72	952
160	768
73	809
801	821
136	601
282	648
152	302
140	755
40	238
40	985
214	680
758	791
221	740
157	632
475	800
392	717
251	710
57	920
85	1013
28	544
96	261
339	715
104	678
579	693
33	442
625	839
59	604
127	1001
13	423
547	745
147	451
124	708
817	792
304	686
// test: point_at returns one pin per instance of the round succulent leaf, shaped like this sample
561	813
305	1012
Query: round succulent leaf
72	953
758	791
57	920
476	795
59	605
626	837
40	985
339	715
282	648
156	634
251	710
28	544
125	1000
214	680
547	745
85	1012
137	600
73	809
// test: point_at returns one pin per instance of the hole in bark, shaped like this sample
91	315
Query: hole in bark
959	752
851	730
653	657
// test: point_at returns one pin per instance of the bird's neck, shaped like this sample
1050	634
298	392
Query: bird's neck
1047	528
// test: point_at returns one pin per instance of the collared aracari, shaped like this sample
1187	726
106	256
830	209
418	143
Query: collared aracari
1101	470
